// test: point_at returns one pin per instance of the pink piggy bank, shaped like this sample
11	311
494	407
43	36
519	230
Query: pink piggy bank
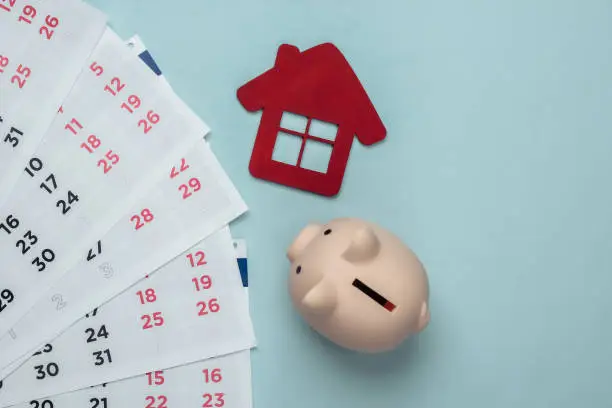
358	285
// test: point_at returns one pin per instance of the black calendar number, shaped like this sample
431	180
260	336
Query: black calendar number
47	256
42	404
0	385
65	204
6	297
93	336
94	251
99	402
27	242
50	185
47	349
13	136
9	224
34	165
44	371
92	313
102	357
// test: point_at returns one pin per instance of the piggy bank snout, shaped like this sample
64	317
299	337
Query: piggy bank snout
305	237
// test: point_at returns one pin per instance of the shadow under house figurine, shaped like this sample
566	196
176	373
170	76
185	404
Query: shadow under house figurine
358	285
319	86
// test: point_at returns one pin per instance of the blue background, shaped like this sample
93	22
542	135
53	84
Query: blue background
495	171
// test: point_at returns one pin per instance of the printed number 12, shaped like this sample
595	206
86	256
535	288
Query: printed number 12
198	259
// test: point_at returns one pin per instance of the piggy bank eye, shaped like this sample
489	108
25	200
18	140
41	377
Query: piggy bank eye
327	232
298	270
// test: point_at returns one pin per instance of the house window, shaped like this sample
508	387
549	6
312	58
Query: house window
305	142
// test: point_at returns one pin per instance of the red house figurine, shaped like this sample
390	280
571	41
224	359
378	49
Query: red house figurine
319	86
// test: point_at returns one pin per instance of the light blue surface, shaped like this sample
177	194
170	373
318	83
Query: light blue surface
496	171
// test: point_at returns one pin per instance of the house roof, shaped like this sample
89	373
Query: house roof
318	83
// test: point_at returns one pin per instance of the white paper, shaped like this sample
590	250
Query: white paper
173	317
44	47
224	381
125	255
183	387
103	149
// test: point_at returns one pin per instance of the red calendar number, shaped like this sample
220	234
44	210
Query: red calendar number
23	73
96	69
197	259
204	282
145	217
46	30
114	87
4	61
148	296
184	166
150	321
156	378
190	188
11	4
161	401
218	399
92	144
27	14
212	305
147	123
213	375
73	126
132	103
108	165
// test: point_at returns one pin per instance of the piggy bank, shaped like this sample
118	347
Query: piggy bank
358	285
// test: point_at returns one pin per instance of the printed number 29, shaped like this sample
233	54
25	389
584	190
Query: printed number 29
145	217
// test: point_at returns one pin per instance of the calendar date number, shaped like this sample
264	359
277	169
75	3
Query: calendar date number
153	320
98	402
159	401
46	370
42	404
214	400
212	306
6	297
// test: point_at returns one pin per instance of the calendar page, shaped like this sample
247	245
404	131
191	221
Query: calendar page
117	133
195	199
223	382
192	309
217	382
43	43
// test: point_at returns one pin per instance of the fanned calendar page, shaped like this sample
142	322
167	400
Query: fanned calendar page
194	199
121	283
212	383
191	309
117	134
43	50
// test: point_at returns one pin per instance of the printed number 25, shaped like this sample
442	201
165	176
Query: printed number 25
112	158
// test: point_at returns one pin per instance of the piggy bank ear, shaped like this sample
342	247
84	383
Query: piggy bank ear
424	317
303	239
364	245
